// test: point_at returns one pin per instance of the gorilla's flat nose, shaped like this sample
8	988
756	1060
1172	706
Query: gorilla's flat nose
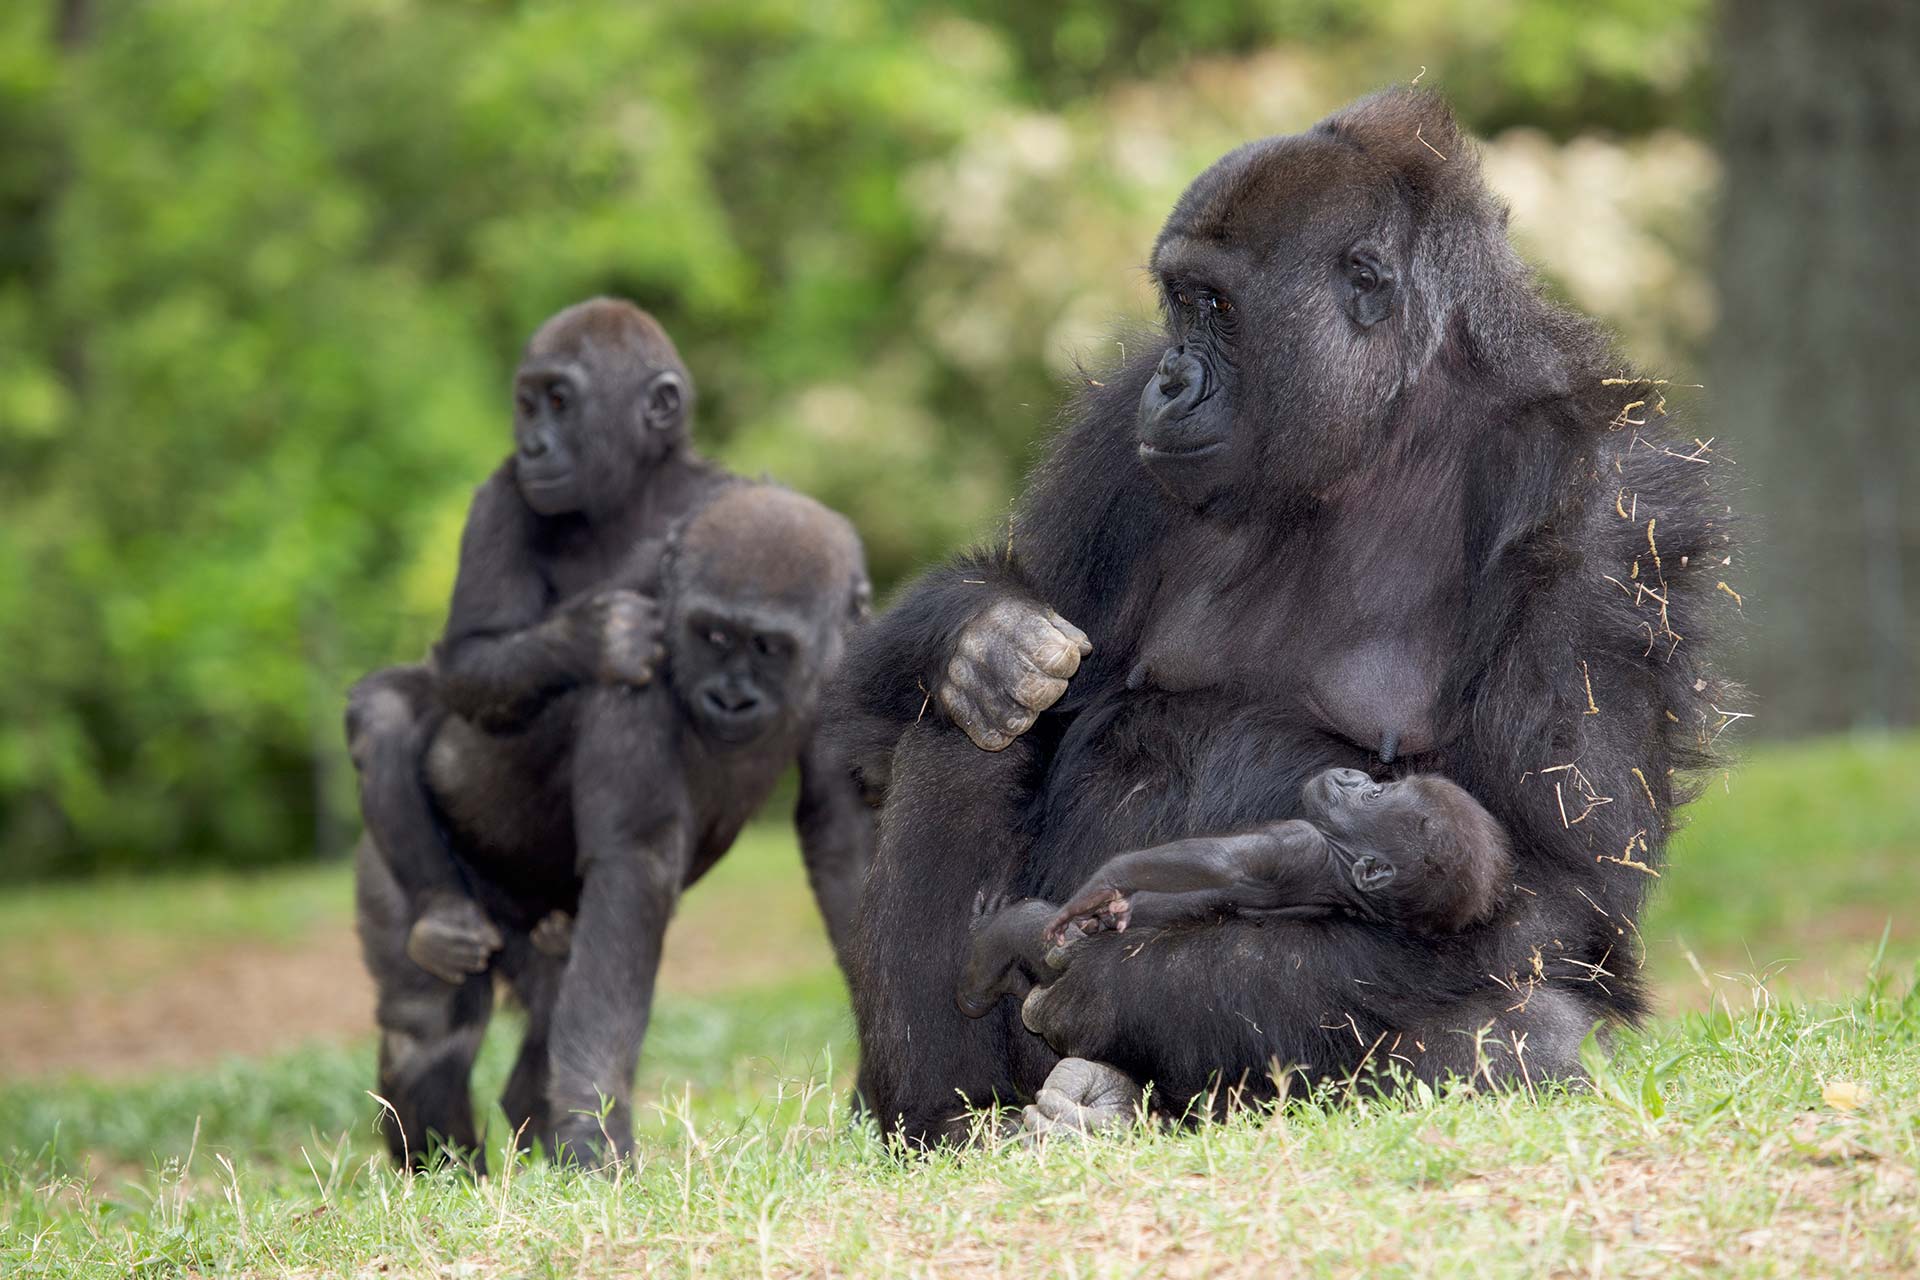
1352	779
731	702
533	447
1177	372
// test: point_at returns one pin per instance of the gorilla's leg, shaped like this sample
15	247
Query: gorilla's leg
430	1030
392	715
535	976
1208	1011
629	808
952	827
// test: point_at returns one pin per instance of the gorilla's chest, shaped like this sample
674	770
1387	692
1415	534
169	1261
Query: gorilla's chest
1341	631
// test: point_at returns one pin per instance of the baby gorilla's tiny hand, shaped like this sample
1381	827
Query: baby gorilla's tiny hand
1093	910
453	939
632	631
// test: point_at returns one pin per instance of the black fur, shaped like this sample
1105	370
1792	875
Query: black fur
1415	546
542	708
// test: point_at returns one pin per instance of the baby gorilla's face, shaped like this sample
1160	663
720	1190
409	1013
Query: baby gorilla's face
1362	815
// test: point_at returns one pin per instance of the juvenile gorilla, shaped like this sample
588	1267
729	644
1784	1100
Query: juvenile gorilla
544	602
606	807
1368	502
1419	853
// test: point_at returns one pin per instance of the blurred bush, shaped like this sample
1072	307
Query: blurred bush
264	270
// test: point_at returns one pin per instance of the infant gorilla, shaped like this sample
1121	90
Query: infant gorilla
1419	853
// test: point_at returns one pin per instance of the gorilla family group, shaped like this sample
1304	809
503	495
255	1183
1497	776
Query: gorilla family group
1323	717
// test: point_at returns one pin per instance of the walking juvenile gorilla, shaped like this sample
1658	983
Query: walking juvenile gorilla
1419	854
1371	503
606	806
544	600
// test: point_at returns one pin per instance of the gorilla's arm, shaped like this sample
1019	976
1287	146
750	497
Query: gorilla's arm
836	838
505	654
1284	864
989	640
635	845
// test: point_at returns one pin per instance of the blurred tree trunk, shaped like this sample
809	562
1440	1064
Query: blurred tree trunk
1816	367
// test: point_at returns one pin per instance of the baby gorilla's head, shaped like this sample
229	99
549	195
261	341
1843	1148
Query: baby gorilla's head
1422	844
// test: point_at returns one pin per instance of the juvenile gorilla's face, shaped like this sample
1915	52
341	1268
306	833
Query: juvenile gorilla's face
599	397
740	665
763	586
1282	277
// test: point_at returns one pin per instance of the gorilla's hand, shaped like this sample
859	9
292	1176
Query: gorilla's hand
553	935
1075	1013
452	939
631	632
1011	662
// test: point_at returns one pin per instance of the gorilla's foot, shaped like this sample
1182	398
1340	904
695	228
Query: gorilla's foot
587	1142
1081	1097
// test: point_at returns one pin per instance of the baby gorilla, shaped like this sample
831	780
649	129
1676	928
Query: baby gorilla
1420	854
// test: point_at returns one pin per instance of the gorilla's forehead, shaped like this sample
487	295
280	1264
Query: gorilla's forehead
603	331
1271	192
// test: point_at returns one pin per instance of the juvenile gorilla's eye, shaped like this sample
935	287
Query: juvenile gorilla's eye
1184	298
524	403
557	397
1219	304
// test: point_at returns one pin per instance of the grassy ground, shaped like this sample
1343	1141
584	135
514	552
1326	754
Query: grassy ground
1770	1125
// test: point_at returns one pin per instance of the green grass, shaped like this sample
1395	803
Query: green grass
1765	1134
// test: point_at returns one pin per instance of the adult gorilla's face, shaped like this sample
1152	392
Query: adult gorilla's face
1283	280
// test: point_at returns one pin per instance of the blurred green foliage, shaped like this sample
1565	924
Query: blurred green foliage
264	269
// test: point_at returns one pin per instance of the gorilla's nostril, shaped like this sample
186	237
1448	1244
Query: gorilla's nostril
532	447
729	703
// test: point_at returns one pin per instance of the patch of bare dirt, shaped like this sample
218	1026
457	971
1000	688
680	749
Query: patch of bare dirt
157	1004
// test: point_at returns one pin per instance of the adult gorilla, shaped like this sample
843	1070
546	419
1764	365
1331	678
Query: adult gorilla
1376	505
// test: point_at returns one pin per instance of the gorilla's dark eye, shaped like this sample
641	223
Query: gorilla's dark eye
1219	303
1184	298
717	638
557	397
524	403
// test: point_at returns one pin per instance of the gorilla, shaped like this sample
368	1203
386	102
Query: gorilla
554	609
1369	502
541	603
1419	852
605	808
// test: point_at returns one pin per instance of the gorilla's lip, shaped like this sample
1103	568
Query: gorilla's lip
1181	452
533	478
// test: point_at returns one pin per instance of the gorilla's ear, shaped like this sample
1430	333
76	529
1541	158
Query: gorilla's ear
663	403
1478	303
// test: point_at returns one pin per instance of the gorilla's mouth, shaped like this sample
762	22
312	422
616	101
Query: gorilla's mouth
1182	452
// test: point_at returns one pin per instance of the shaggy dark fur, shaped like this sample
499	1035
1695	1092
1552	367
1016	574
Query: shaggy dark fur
1370	502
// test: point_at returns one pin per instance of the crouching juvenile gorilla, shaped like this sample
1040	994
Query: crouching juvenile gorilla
606	806
1370	502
